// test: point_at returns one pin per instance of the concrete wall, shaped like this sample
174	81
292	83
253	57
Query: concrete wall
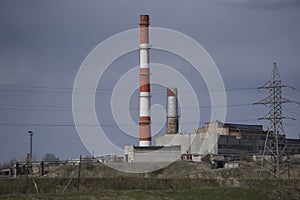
152	154
191	143
213	127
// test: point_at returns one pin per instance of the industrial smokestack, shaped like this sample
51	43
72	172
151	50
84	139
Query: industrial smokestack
145	120
172	111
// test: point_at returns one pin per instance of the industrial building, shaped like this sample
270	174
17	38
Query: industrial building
152	154
234	139
215	138
199	144
224	139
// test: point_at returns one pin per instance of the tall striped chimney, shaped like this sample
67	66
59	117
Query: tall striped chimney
145	120
172	111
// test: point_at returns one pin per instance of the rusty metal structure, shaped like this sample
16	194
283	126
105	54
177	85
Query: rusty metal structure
172	111
144	119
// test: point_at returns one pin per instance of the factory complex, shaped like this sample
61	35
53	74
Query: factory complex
216	141
215	138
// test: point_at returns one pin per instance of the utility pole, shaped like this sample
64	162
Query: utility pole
27	173
30	147
78	177
275	153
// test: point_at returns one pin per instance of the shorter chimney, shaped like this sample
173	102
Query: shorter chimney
172	111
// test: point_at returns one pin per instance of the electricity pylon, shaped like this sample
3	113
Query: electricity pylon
275	155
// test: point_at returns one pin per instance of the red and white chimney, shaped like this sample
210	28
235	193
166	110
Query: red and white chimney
172	111
145	120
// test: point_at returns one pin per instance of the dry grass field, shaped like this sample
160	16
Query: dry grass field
180	180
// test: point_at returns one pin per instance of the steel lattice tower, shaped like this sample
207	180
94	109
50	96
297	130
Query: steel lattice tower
275	150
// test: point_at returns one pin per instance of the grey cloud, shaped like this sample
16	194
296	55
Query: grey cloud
264	4
44	42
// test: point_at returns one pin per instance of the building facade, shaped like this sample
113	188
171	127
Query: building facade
152	154
224	139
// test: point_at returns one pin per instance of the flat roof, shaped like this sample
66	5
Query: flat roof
156	147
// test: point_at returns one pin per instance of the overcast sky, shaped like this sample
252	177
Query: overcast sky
43	43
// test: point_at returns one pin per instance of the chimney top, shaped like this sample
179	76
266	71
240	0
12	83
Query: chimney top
144	20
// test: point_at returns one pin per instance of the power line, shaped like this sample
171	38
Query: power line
122	66
62	108
73	125
106	91
101	89
114	125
